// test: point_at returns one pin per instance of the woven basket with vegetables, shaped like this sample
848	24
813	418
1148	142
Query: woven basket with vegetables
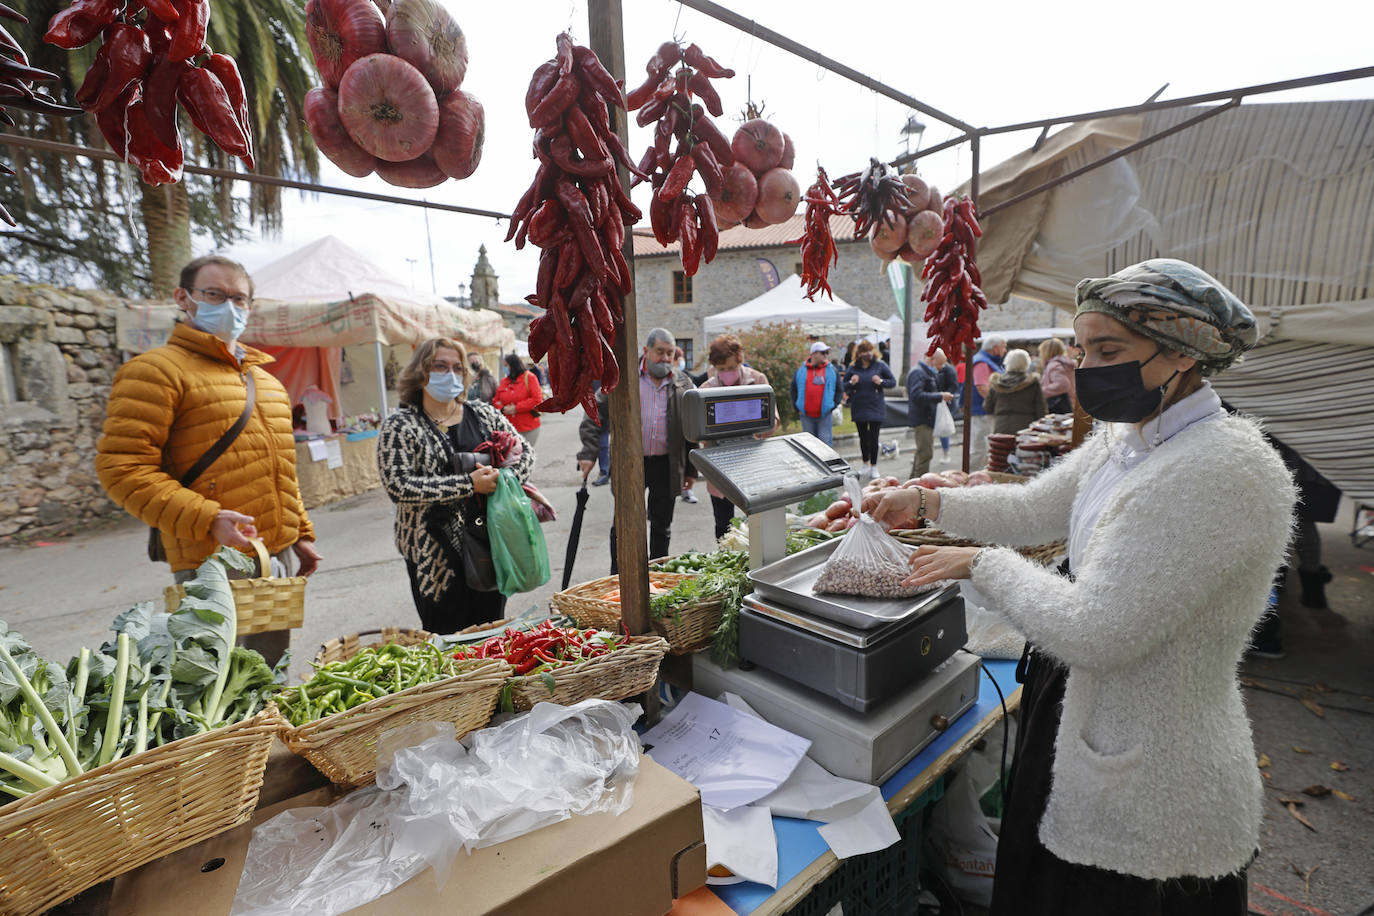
597	603
565	665
335	719
689	614
154	742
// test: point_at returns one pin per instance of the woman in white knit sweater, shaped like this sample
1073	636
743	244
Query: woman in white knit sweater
1134	789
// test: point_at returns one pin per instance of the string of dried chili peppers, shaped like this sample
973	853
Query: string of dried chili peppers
577	212
677	213
953	282
818	249
153	58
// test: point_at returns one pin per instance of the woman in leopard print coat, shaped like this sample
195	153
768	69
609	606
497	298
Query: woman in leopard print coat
413	455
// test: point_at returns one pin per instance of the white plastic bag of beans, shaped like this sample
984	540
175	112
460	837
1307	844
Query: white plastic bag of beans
868	562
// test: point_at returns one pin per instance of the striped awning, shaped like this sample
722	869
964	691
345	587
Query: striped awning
1317	398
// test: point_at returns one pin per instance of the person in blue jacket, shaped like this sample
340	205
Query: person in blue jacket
815	392
865	382
924	391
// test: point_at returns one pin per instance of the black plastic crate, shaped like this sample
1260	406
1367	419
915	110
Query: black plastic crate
883	882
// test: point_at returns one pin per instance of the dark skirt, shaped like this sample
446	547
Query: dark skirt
458	608
1032	880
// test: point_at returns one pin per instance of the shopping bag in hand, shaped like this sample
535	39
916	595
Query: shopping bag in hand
944	420
517	543
867	562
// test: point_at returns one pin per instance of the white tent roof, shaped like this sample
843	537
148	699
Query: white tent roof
786	302
328	270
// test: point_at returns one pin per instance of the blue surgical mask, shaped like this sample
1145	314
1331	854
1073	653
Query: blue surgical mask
444	386
224	320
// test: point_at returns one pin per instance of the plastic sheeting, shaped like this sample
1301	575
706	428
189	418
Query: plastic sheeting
1275	200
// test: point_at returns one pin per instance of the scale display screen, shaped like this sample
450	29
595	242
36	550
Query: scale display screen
735	412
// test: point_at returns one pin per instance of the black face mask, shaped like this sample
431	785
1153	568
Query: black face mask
514	368
1117	393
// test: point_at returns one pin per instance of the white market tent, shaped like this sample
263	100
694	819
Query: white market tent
787	302
1272	199
323	297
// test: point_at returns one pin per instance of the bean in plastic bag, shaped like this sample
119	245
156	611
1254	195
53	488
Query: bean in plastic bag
518	550
868	562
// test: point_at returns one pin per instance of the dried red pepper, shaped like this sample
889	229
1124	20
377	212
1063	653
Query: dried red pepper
576	211
79	24
952	294
818	249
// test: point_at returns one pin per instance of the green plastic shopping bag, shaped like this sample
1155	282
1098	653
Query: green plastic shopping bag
517	544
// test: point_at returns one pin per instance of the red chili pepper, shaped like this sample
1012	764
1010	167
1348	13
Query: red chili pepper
95	79
189	35
636	98
677	179
689	234
705	130
701	87
696	57
202	95
224	67
79	24
710	235
596	75
545	75
557	101
584	135
129	58
113	122
160	163
162	9
526	666
160	98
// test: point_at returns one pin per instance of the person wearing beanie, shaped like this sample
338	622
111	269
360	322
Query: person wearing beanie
1133	788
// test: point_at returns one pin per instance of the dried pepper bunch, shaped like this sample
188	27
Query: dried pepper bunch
577	212
817	243
953	282
153	58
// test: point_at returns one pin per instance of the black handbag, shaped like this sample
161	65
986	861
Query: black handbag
465	546
156	551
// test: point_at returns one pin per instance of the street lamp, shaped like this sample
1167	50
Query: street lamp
912	128
463	301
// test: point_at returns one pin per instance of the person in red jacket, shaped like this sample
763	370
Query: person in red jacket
517	397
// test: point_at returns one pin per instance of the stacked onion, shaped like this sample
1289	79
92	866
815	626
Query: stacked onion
391	102
914	233
759	189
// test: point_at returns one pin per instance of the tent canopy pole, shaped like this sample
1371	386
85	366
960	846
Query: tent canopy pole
381	379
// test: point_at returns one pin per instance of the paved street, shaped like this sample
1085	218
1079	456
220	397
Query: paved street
64	594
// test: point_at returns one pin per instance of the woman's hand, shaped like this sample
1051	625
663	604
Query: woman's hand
899	507
877	381
484	479
932	564
853	380
508	410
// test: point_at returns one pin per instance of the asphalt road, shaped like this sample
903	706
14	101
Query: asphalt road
63	594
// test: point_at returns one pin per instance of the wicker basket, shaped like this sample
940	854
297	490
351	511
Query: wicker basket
344	746
583	604
64	839
1044	554
262	604
345	647
623	673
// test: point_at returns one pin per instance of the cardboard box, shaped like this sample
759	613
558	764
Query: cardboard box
633	864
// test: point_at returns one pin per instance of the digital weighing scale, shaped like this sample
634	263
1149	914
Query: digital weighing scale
874	677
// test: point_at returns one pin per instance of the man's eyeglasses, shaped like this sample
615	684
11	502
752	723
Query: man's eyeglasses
218	296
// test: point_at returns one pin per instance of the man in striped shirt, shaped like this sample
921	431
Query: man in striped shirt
666	468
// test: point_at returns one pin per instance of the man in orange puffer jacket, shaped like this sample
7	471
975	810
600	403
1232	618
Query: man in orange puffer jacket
168	407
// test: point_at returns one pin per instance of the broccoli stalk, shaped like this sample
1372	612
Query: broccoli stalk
35	702
83	676
114	719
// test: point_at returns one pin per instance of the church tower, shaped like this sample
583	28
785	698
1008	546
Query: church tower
483	286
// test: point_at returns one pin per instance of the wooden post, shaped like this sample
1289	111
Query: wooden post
968	351
606	31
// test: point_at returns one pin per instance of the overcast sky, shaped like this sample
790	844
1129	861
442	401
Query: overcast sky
988	64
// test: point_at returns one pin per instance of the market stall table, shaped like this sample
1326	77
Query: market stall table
804	858
330	468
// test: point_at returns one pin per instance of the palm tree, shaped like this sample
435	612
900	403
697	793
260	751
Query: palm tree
78	216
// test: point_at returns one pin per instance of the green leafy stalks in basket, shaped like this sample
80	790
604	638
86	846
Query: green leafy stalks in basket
163	677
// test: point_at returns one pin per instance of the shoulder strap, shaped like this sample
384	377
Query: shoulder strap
224	441
530	376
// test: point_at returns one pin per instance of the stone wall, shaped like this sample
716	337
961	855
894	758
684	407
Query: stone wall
57	360
734	278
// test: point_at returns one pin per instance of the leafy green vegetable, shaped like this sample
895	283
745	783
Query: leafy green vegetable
817	502
162	677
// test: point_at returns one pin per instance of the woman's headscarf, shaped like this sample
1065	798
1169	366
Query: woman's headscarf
1179	306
